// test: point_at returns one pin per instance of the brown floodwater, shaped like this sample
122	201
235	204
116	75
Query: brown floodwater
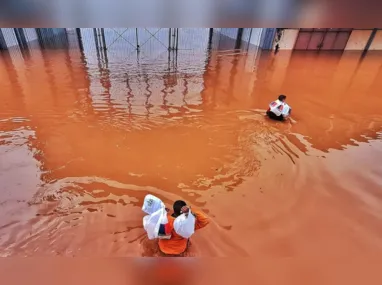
83	140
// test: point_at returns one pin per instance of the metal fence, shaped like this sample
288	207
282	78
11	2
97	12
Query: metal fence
145	40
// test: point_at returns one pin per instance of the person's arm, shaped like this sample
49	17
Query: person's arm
201	219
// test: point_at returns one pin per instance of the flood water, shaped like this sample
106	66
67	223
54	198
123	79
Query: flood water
82	141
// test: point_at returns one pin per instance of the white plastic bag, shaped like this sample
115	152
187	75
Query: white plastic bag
275	107
280	108
151	204
151	223
286	110
184	225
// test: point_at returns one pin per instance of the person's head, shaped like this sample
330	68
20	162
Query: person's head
282	98
178	205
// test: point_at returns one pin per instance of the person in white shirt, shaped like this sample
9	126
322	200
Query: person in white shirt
279	110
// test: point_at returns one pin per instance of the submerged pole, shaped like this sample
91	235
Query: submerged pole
103	38
96	38
169	38
3	43
79	38
249	40
238	38
173	39
177	38
136	38
211	33
20	37
369	41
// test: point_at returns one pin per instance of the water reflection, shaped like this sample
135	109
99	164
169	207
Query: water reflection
99	131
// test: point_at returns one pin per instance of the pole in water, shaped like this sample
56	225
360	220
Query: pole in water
136	37
173	39
211	32
169	38
177	38
249	40
103	38
369	41
3	43
238	38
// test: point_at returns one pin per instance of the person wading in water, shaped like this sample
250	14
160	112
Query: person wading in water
279	110
176	245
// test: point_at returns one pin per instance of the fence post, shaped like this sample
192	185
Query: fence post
169	38
211	32
370	41
21	39
173	39
177	38
79	37
249	40
39	37
136	38
3	43
238	38
103	38
96	38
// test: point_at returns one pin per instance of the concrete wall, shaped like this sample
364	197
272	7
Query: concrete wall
288	39
377	42
358	39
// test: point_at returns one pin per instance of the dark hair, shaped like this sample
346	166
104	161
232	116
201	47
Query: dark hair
178	205
282	97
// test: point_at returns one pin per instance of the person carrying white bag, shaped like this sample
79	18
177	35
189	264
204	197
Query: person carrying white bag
181	225
174	230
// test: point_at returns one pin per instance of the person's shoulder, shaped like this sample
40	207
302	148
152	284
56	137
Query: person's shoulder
170	218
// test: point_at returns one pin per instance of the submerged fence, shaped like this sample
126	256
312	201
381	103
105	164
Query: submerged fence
137	39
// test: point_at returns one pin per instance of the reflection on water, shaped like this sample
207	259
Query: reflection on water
84	137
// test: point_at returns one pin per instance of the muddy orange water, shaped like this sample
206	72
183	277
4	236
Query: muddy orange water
83	140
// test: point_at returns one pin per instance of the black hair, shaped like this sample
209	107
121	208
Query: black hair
178	205
282	97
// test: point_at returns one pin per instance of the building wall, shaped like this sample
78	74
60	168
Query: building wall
229	32
358	39
9	37
288	39
30	34
256	36
250	35
377	41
